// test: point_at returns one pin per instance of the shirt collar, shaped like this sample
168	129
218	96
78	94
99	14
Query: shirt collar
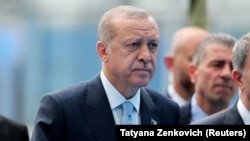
175	96
115	97
244	113
196	111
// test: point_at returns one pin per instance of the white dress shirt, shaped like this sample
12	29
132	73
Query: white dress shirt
175	96
116	99
244	112
196	111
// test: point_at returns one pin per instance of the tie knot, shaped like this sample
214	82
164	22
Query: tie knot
127	108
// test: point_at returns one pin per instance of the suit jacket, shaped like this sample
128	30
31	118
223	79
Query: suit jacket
12	131
82	112
229	116
185	113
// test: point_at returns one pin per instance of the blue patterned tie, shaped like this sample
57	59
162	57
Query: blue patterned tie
127	113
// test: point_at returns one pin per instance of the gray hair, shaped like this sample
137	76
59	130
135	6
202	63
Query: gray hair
240	52
106	29
218	38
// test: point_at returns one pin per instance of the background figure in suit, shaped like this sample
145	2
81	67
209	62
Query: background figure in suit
128	39
210	72
177	62
11	130
238	113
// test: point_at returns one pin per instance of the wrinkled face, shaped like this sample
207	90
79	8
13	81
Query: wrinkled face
132	59
212	77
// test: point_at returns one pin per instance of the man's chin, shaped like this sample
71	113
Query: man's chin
141	83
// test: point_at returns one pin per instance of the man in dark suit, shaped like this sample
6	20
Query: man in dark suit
238	113
128	39
210	72
11	130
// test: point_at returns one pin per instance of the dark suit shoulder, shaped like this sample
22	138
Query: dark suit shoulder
229	116
77	90
12	123
214	119
14	130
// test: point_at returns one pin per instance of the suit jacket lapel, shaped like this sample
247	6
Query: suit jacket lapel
185	115
232	116
150	114
97	111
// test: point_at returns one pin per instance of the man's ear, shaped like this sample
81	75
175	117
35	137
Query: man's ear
237	75
101	49
168	61
192	72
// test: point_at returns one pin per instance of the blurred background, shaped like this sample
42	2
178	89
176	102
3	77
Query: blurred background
49	44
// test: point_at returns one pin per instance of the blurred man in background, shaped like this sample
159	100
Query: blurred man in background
239	112
210	72
183	44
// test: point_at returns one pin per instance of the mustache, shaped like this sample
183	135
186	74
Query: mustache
145	67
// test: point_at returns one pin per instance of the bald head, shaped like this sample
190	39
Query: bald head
187	37
183	45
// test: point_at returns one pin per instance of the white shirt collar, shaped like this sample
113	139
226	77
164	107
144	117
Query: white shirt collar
115	97
244	113
196	111
175	96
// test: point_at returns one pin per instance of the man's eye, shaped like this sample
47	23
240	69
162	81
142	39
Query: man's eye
133	46
153	46
218	64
